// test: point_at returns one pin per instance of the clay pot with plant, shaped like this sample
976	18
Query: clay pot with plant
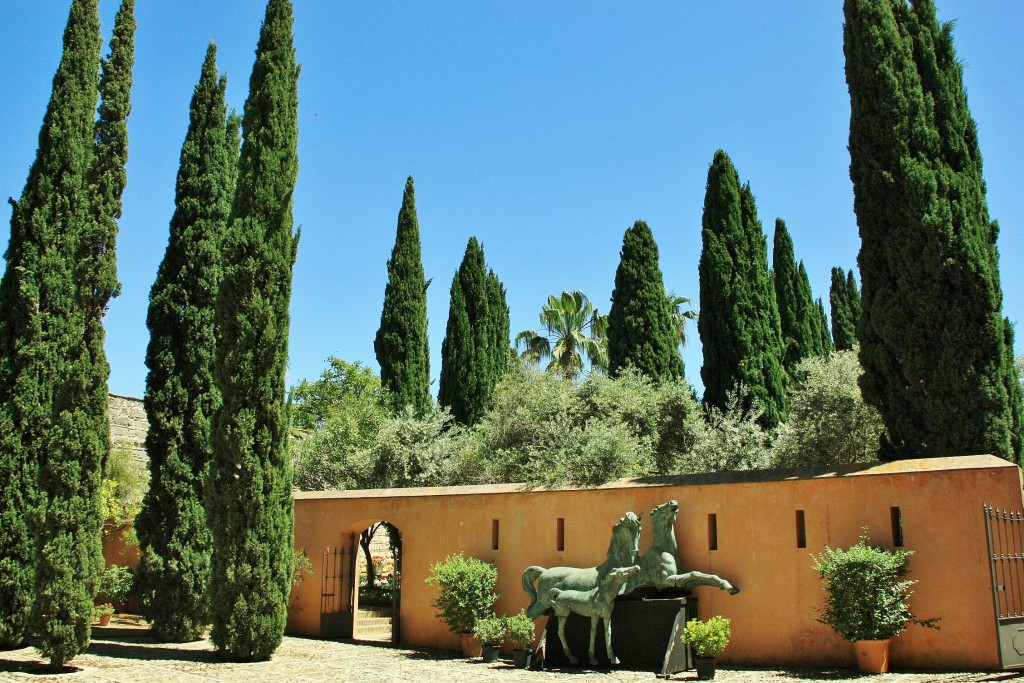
867	599
707	639
465	595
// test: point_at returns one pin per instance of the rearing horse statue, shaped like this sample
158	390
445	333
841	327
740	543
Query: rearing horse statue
659	566
622	552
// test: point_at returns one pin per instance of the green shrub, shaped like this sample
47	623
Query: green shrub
466	591
116	585
520	630
707	638
490	630
867	592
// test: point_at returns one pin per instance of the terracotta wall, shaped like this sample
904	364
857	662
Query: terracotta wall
940	501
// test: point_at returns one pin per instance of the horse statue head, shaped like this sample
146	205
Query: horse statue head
664	514
625	544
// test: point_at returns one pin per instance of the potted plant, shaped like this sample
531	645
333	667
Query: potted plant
520	631
490	631
465	594
867	601
707	639
102	613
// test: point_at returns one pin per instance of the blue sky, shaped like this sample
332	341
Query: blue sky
545	129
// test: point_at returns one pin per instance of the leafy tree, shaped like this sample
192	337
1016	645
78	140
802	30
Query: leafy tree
641	333
733	440
401	343
574	330
931	336
409	450
474	354
798	315
125	482
248	488
546	431
181	397
739	322
845	300
829	422
341	413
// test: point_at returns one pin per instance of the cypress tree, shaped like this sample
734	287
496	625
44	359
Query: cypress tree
826	345
499	328
248	488
844	298
739	321
36	299
931	333
798	317
401	344
640	330
475	351
181	397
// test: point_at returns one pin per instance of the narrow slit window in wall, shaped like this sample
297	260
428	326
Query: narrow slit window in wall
712	532
801	529
494	534
560	534
896	518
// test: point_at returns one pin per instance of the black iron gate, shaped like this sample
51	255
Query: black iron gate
337	584
1005	532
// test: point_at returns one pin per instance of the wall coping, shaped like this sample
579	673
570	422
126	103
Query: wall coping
914	466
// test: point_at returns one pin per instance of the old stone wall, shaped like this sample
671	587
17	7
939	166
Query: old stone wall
128	424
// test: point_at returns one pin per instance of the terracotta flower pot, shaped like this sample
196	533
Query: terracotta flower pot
105	619
471	647
872	656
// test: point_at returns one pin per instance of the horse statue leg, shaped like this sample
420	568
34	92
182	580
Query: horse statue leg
691	579
561	636
612	659
593	634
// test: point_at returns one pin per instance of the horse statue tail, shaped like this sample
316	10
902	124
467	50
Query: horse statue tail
529	577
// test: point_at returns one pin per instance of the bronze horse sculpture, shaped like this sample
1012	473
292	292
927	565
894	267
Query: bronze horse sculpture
622	552
596	603
659	566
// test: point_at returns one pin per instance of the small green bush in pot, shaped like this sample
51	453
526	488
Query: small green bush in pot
707	639
520	632
867	591
465	591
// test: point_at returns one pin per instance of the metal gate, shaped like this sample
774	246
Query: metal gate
336	591
1005	532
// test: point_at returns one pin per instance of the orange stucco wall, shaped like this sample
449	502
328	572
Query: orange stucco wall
773	616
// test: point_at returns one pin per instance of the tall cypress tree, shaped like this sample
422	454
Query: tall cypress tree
77	279
844	298
826	345
248	489
181	397
36	299
401	343
739	321
499	328
798	316
640	330
931	334
466	364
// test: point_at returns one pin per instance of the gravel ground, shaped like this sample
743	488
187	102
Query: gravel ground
122	653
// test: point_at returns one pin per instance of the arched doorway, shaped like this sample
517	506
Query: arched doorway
378	572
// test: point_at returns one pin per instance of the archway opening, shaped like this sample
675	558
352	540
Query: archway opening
379	581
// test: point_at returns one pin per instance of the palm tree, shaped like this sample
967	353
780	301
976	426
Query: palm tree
574	329
679	316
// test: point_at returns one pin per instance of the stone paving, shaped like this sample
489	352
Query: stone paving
121	653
